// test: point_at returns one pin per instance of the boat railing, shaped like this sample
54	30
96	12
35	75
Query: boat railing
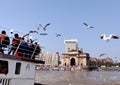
5	81
22	48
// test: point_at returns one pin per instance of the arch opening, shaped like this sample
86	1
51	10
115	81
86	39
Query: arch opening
72	62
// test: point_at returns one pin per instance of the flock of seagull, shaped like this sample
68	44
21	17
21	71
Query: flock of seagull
44	28
104	37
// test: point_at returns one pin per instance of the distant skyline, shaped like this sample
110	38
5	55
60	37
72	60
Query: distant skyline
66	17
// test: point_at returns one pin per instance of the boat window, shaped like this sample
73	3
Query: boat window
3	67
18	67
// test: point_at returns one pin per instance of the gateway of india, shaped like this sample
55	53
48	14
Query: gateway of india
74	56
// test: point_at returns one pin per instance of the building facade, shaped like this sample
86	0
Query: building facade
51	59
73	56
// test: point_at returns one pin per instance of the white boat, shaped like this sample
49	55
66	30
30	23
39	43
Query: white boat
16	70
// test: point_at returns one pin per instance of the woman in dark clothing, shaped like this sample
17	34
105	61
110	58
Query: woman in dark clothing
4	40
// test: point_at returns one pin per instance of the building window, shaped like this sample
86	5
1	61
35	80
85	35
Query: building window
3	67
18	67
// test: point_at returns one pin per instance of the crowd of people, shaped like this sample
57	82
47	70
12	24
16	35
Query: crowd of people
58	68
18	46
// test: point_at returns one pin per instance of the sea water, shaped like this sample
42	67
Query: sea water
78	77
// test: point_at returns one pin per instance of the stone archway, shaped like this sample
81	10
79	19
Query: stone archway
72	62
65	64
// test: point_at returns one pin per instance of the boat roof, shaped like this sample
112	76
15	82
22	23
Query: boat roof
7	56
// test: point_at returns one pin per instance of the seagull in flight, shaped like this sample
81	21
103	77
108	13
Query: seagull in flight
57	35
43	34
111	36
39	26
43	27
88	26
102	54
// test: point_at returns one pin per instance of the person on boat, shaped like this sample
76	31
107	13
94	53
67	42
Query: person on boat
4	40
30	41
23	48
30	48
15	43
36	51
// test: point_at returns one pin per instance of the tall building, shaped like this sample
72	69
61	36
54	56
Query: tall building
49	58
71	44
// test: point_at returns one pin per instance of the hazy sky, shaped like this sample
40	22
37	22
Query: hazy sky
67	18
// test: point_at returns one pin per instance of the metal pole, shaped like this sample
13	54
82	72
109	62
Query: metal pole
18	47
34	51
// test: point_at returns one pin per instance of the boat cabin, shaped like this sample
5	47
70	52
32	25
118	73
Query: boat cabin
17	59
17	70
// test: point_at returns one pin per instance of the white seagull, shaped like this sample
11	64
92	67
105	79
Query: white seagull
111	36
102	54
43	27
88	26
57	35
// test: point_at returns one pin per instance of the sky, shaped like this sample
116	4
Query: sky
66	17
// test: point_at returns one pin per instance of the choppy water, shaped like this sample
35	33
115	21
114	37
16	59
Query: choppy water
78	77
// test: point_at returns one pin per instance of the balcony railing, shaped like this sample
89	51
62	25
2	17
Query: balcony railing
20	48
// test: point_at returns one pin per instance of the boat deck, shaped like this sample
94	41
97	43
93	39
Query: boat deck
20	58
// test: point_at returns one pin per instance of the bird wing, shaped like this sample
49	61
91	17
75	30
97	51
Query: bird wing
39	26
43	34
102	36
85	24
91	27
44	28
58	35
88	26
33	31
102	54
113	36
